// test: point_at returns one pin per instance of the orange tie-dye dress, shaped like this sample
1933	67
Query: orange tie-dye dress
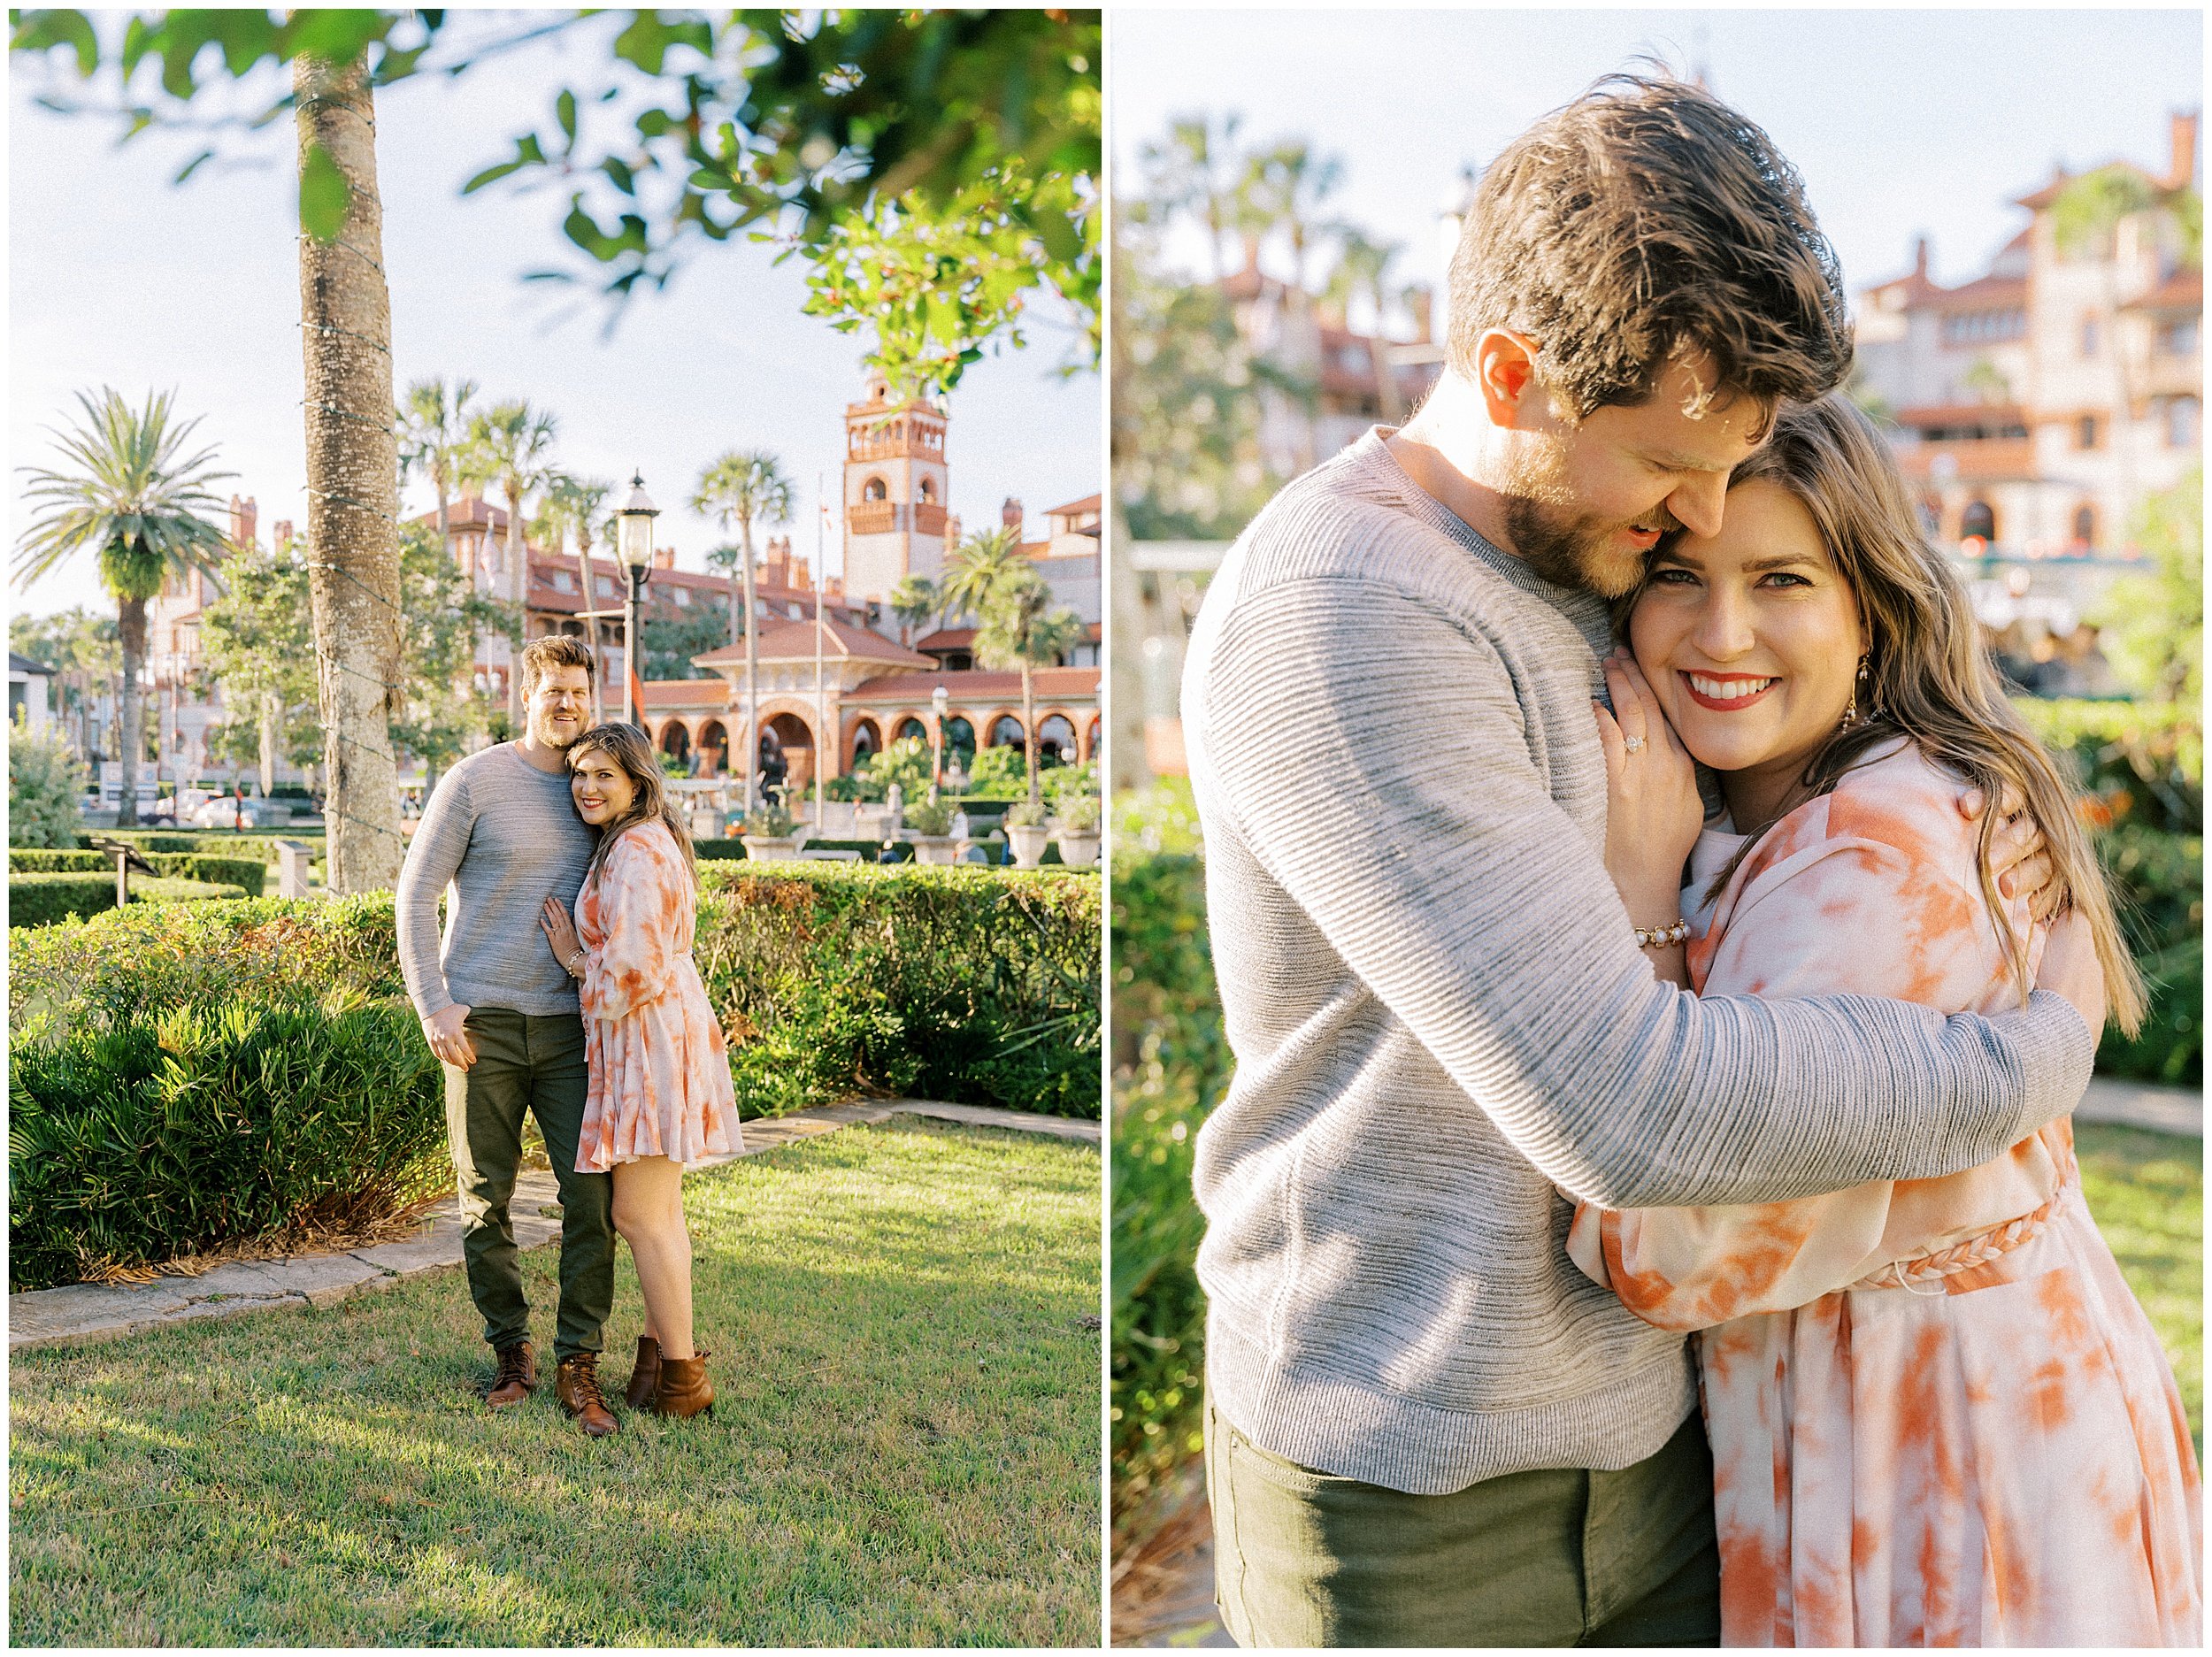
660	1072
1938	1416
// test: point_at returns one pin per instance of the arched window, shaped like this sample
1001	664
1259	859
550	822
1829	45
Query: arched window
1979	519
1055	742
2084	527
1006	731
865	741
1090	741
714	749
911	727
675	740
875	489
960	738
926	490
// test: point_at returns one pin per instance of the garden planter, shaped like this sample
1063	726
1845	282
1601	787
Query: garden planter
772	848
1029	842
1079	851
935	849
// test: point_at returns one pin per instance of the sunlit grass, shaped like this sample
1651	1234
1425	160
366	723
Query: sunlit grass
905	1450
2146	1192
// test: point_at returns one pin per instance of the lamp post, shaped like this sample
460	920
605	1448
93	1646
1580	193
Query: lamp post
938	698
637	515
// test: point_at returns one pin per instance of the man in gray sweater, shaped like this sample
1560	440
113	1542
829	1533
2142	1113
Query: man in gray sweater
503	834
1425	1426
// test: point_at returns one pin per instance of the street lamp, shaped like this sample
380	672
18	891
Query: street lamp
938	700
637	515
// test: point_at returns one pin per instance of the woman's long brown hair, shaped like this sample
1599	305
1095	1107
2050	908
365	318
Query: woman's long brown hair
632	755
1931	680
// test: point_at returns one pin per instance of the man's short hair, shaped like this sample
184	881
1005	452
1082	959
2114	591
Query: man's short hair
555	649
1643	221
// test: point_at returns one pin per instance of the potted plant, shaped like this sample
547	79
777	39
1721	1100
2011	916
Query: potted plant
1025	832
1078	835
929	826
768	835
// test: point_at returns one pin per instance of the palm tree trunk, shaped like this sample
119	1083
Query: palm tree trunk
445	533
519	584
268	742
130	621
1029	732
583	574
352	486
752	668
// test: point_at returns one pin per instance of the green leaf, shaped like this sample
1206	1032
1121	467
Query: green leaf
565	111
324	194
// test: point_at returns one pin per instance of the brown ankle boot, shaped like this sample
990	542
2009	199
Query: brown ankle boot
516	1376
684	1389
576	1384
645	1376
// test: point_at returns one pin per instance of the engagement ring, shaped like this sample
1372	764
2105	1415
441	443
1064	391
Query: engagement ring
1633	744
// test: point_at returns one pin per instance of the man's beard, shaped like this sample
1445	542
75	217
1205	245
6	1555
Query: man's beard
1571	550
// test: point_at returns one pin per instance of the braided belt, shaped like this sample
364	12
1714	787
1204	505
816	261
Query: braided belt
1931	1270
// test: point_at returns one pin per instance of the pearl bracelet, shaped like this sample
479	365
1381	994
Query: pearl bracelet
575	965
1662	937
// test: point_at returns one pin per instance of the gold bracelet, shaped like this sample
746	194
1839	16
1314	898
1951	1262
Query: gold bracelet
1662	937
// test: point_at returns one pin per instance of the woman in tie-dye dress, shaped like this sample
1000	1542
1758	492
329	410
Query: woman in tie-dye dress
659	1094
1937	1415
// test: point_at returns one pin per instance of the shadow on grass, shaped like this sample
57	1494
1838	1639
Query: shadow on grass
904	1451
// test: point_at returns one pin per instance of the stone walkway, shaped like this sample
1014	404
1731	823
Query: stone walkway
81	1312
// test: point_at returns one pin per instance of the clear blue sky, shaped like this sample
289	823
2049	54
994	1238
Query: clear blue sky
1901	122
117	277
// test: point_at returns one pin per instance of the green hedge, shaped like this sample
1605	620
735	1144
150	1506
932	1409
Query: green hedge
2160	877
975	985
40	900
247	872
137	1139
23	861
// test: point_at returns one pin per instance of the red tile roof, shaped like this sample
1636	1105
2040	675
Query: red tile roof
2183	290
1088	503
1055	684
794	641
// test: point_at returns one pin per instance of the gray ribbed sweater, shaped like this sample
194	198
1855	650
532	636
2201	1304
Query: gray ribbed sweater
1438	1012
506	836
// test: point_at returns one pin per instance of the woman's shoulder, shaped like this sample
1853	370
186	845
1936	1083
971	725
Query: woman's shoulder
1895	797
646	845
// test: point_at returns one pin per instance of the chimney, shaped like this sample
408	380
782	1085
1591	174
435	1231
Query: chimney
280	535
1010	516
664	557
2183	168
802	575
242	521
1920	258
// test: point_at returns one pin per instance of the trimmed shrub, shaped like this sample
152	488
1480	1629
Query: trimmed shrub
21	862
246	873
39	900
2161	882
719	850
974	984
135	1140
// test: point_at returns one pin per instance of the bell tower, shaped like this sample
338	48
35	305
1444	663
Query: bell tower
895	491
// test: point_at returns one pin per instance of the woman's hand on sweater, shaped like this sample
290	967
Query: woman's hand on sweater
560	932
1653	813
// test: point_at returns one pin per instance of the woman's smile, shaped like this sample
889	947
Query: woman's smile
1726	693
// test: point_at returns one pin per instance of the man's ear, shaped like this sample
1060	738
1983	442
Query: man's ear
1505	375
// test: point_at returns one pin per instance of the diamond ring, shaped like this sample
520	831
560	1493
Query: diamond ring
1633	744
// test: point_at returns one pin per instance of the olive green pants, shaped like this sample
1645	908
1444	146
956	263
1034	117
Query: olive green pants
1552	1557
525	1062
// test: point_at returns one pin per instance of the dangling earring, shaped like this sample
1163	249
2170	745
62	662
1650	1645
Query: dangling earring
1851	711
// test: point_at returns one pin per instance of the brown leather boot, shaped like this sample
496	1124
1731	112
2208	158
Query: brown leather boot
645	1375
576	1384
684	1389
516	1376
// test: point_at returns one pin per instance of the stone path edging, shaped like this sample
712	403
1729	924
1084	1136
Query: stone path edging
81	1312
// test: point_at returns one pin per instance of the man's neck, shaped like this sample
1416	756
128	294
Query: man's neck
1449	448
542	756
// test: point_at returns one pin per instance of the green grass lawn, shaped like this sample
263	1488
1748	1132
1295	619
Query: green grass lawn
905	1450
2147	1192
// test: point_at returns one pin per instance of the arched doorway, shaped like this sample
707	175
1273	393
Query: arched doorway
676	741
714	749
1055	742
865	743
1006	731
910	727
1979	519
1090	741
786	752
959	739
